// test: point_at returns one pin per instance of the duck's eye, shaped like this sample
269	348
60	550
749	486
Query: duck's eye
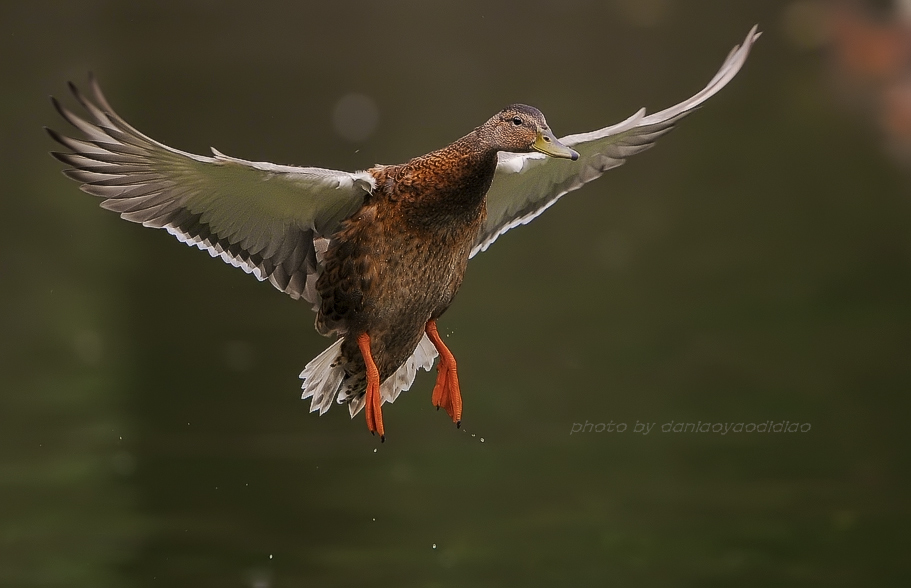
517	121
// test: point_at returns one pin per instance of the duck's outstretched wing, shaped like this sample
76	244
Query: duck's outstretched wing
260	217
526	184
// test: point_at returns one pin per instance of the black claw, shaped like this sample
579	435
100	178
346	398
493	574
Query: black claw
382	438
459	425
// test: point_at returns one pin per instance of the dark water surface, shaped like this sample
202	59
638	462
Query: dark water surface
754	267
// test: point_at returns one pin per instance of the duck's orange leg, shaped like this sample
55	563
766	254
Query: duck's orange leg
446	392
372	406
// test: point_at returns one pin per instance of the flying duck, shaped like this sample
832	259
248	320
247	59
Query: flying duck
380	253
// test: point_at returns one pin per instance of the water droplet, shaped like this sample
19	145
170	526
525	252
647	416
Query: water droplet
270	556
482	439
434	545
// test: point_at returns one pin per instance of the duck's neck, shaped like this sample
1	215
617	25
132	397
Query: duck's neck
457	175
446	188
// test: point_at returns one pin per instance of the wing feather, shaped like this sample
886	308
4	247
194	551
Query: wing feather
526	184
258	216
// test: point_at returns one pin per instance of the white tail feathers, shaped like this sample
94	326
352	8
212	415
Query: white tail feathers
403	378
324	376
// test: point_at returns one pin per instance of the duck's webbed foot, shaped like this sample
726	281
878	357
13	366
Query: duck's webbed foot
372	405
446	392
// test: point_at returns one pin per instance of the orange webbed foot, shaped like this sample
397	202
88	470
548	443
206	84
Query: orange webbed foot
372	407
446	392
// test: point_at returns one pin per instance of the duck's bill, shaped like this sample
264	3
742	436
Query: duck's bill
547	144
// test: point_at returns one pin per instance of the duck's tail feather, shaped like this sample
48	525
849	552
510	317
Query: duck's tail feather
322	377
325	375
401	380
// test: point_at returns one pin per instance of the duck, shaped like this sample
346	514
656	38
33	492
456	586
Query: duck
379	253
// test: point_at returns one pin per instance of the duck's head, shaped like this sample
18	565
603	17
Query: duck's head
521	129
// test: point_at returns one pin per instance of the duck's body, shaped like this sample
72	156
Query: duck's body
397	263
400	258
379	253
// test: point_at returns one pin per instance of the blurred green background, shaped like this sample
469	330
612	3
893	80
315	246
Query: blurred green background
754	266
